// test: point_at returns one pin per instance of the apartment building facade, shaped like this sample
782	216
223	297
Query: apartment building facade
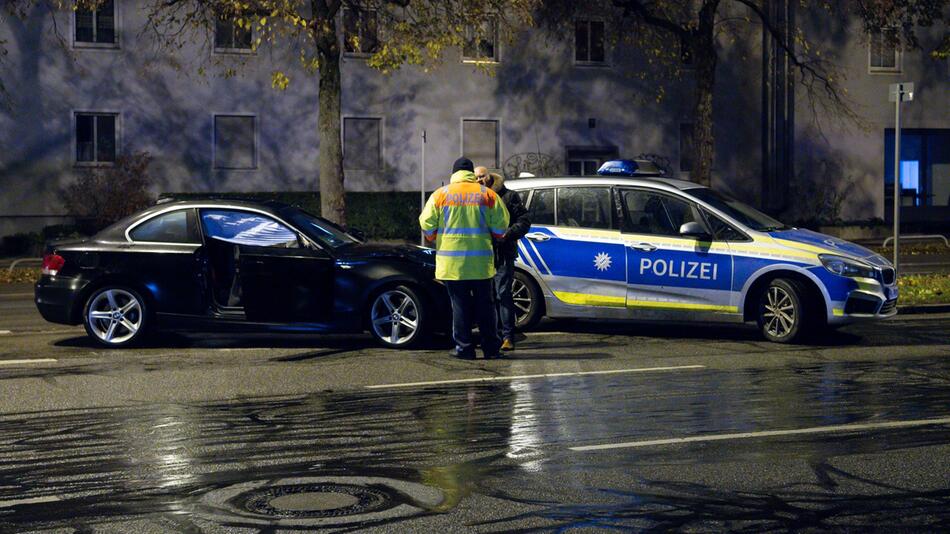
85	87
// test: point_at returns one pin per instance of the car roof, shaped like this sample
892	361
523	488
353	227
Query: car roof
554	181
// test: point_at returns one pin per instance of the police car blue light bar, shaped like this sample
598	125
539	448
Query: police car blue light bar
629	167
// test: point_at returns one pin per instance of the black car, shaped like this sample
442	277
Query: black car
243	266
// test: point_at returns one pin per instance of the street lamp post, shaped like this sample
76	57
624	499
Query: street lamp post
898	92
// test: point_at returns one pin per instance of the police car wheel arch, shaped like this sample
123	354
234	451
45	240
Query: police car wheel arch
782	310
776	271
397	316
525	291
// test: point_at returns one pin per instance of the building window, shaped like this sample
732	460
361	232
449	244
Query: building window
360	32
96	27
884	53
228	37
589	44
95	138
686	147
235	142
924	167
362	144
586	160
480	142
484	47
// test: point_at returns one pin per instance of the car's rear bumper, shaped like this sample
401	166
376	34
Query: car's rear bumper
55	298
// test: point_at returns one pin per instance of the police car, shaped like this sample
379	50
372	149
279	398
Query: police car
652	248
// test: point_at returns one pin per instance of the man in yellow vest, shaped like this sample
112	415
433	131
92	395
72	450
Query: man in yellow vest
463	218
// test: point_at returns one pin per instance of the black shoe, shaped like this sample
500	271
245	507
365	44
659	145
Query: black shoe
518	337
456	353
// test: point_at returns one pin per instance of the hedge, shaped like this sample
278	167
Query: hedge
391	215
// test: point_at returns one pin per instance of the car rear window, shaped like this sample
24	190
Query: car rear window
173	227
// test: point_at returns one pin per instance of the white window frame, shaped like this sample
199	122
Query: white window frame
216	50
214	141
497	46
116	22
898	57
582	63
382	141
498	122
75	143
358	55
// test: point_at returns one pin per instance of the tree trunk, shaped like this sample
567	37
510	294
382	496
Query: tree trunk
706	57
332	200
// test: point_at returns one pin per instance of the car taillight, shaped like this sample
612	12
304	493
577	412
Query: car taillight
52	264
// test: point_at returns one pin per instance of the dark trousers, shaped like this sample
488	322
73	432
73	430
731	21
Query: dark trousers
504	276
473	299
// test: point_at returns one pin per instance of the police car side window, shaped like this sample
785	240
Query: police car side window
722	230
541	210
648	212
583	207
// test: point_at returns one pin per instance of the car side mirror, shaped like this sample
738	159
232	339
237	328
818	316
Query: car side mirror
357	233
695	230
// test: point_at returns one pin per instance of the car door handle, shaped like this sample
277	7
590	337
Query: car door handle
538	236
645	247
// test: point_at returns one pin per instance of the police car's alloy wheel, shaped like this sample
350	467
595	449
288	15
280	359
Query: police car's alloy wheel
397	318
527	301
115	316
781	311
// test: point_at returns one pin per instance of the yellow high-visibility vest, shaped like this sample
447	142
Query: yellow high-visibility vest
462	218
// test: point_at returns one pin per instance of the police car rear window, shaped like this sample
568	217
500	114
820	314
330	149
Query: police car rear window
583	207
541	210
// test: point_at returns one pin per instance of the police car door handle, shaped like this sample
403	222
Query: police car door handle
645	247
537	236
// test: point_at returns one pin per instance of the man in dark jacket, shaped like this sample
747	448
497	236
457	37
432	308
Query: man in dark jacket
506	250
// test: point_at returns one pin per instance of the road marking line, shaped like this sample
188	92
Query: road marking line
767	433
31	500
35	360
522	377
5	332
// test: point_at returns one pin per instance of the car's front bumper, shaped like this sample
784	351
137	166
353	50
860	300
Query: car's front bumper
870	300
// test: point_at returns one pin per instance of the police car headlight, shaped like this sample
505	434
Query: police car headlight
846	267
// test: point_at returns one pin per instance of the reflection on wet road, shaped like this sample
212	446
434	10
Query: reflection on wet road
498	455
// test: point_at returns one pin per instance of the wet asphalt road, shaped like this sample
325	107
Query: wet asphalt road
209	434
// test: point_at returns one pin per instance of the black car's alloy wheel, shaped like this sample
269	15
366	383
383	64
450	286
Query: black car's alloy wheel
397	317
115	316
781	311
527	300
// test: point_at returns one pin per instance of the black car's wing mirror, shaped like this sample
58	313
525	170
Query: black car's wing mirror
357	233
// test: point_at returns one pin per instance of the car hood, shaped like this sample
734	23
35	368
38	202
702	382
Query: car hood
377	251
809	241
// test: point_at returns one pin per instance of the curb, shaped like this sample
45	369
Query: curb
923	308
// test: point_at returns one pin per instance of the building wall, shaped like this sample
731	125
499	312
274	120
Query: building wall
542	100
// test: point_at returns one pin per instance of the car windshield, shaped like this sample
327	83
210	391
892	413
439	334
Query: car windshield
745	214
321	229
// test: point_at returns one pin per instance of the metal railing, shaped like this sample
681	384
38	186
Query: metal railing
919	238
24	260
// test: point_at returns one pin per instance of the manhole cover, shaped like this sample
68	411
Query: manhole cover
315	500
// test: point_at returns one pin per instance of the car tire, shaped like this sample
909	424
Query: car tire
782	312
398	317
529	303
116	316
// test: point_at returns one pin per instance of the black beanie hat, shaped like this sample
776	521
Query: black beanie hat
463	164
